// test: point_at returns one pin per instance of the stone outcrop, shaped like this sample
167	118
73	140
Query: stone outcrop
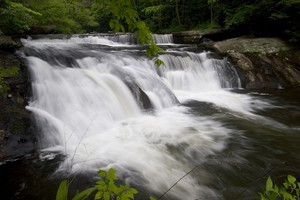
260	62
17	136
263	62
207	35
192	37
8	44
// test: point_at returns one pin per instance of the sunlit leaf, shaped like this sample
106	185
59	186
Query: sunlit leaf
102	173
262	197
84	194
99	195
291	179
62	192
269	184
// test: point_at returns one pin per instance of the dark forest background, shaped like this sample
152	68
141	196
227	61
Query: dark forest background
257	17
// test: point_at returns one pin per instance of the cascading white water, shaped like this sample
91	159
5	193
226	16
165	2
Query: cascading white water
86	108
163	39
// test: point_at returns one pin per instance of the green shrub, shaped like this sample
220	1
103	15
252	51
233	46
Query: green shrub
105	189
4	88
16	18
289	190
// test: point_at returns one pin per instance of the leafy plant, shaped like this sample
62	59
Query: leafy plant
240	16
125	17
105	189
4	88
16	18
289	190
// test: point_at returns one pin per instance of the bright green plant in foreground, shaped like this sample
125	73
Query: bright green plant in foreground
289	190
105	189
5	72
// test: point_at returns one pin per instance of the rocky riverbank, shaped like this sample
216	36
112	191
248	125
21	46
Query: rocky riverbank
263	62
17	136
260	62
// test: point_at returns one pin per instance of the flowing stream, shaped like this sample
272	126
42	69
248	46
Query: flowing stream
101	103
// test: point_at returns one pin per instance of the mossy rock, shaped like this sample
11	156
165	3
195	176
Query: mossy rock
8	44
263	62
252	45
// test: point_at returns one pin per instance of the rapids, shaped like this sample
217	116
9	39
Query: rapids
87	94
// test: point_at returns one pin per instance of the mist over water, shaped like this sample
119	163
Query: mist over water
87	102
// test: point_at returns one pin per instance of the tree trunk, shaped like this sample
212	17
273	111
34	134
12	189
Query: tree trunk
177	12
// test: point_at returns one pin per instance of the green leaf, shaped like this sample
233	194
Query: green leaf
286	185
106	196
111	175
100	183
153	9
127	195
133	191
269	184
99	195
101	187
272	195
112	187
262	197
287	195
102	173
158	62
62	192
291	179
84	194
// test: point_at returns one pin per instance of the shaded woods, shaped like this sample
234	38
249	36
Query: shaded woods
260	18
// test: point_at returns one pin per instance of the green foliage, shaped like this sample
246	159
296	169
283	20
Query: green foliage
204	26
69	16
260	17
4	88
105	189
289	190
153	9
240	16
16	18
62	192
124	17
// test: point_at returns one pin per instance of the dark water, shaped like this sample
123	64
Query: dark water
256	150
231	138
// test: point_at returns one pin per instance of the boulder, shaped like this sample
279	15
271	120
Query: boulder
17	135
263	62
252	45
8	44
192	37
206	35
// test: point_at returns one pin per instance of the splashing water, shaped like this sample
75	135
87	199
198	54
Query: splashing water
87	104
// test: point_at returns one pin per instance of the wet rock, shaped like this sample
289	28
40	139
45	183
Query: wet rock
252	45
17	136
41	30
242	61
207	35
8	44
141	97
192	37
263	62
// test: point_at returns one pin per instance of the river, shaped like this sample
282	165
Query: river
100	103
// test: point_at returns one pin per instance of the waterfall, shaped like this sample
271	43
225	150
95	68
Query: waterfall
163	39
87	95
